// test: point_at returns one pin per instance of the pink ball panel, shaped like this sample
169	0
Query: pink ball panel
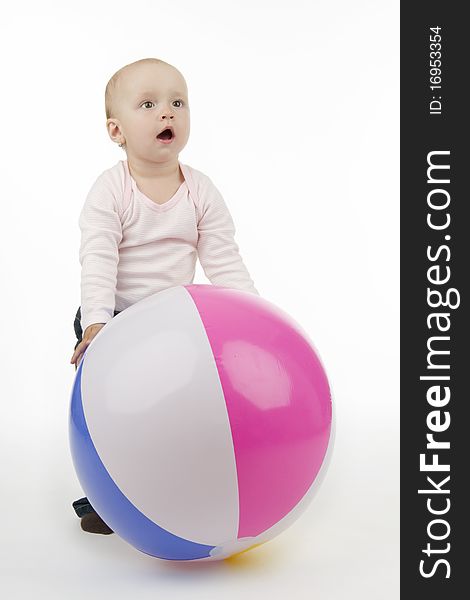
278	401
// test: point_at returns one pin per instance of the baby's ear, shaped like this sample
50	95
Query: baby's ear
114	129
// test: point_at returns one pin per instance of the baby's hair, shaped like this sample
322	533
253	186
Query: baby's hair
113	84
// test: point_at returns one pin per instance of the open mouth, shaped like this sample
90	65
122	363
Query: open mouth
165	136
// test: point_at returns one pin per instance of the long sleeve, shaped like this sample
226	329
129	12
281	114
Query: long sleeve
101	233
217	249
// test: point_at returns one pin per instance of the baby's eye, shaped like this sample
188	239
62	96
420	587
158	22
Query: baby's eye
147	102
180	101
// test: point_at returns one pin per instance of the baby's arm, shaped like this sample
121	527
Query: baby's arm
101	233
217	249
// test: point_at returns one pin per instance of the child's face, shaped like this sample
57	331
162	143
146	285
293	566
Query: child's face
149	98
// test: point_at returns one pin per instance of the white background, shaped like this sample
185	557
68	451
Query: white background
294	116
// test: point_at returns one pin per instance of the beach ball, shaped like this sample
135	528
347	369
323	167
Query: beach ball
200	422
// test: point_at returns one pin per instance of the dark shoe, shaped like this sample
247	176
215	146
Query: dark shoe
93	523
90	520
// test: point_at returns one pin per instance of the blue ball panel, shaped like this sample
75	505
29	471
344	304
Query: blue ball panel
119	513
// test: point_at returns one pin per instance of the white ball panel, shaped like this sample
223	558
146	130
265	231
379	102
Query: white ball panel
156	413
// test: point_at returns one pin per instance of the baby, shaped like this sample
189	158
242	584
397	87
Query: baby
147	218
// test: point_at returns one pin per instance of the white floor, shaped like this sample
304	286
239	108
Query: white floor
344	547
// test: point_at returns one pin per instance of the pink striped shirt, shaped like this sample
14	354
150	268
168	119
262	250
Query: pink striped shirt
131	247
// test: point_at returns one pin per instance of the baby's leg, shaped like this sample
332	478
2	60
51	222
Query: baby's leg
89	519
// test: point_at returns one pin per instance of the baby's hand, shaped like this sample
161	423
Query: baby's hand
89	334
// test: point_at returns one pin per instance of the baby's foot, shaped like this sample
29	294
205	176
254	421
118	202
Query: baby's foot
93	523
89	519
